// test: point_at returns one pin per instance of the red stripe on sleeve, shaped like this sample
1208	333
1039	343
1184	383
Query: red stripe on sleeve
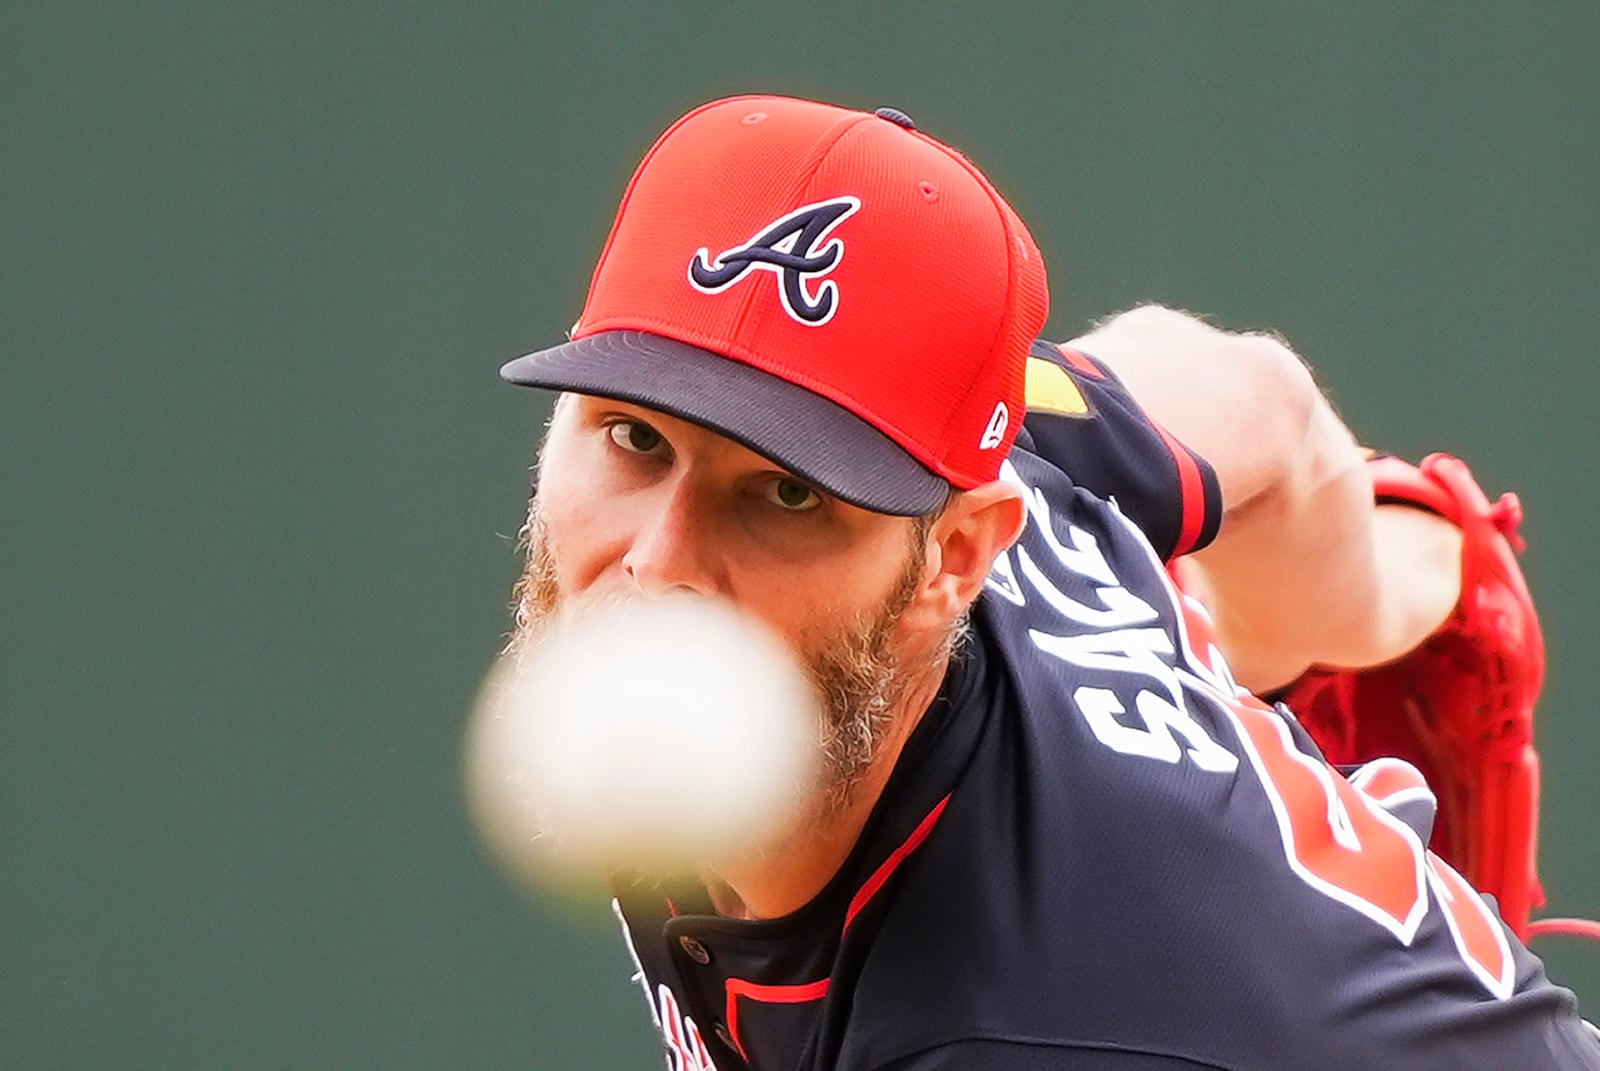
1192	490
1081	363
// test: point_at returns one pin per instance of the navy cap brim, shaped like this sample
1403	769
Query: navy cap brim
813	437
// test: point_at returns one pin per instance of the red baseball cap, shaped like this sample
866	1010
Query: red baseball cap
832	288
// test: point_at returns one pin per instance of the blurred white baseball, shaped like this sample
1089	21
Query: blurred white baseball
654	734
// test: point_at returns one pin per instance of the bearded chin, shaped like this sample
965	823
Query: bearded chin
858	677
853	667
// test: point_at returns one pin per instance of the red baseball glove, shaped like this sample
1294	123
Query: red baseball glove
1460	706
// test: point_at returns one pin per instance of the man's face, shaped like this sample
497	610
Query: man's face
631	501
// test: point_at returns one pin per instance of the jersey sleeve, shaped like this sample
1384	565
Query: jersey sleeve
1083	421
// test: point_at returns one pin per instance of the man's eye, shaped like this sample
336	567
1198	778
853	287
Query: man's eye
635	438
788	493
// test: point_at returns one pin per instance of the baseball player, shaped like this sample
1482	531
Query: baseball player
1053	831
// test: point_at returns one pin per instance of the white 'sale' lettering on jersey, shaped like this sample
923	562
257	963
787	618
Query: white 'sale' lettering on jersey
1337	838
686	1050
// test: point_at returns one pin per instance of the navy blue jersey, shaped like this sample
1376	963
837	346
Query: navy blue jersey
1096	853
1085	422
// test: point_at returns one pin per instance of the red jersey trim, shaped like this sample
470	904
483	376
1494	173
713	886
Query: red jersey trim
1193	491
808	991
1081	363
767	994
898	856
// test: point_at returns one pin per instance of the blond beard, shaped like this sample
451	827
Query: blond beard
854	668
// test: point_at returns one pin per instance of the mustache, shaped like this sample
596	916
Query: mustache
852	663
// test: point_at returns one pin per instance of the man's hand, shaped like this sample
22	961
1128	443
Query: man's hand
1460	705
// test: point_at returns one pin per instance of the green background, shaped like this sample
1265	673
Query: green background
259	264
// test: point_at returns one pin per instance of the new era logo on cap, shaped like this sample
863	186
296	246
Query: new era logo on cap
995	433
789	249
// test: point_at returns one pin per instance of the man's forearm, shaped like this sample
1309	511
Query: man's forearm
1305	569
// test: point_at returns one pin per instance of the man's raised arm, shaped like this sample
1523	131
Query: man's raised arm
1305	570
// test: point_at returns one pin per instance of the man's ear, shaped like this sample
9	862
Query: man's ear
975	527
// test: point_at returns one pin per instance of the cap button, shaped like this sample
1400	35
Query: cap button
896	116
696	951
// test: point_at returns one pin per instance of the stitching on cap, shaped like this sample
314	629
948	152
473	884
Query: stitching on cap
627	194
823	149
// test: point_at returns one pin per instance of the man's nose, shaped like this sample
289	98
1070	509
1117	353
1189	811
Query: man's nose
670	551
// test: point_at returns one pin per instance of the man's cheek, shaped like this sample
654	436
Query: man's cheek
581	538
809	629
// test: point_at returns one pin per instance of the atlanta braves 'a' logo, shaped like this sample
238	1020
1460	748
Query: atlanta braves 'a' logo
792	248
